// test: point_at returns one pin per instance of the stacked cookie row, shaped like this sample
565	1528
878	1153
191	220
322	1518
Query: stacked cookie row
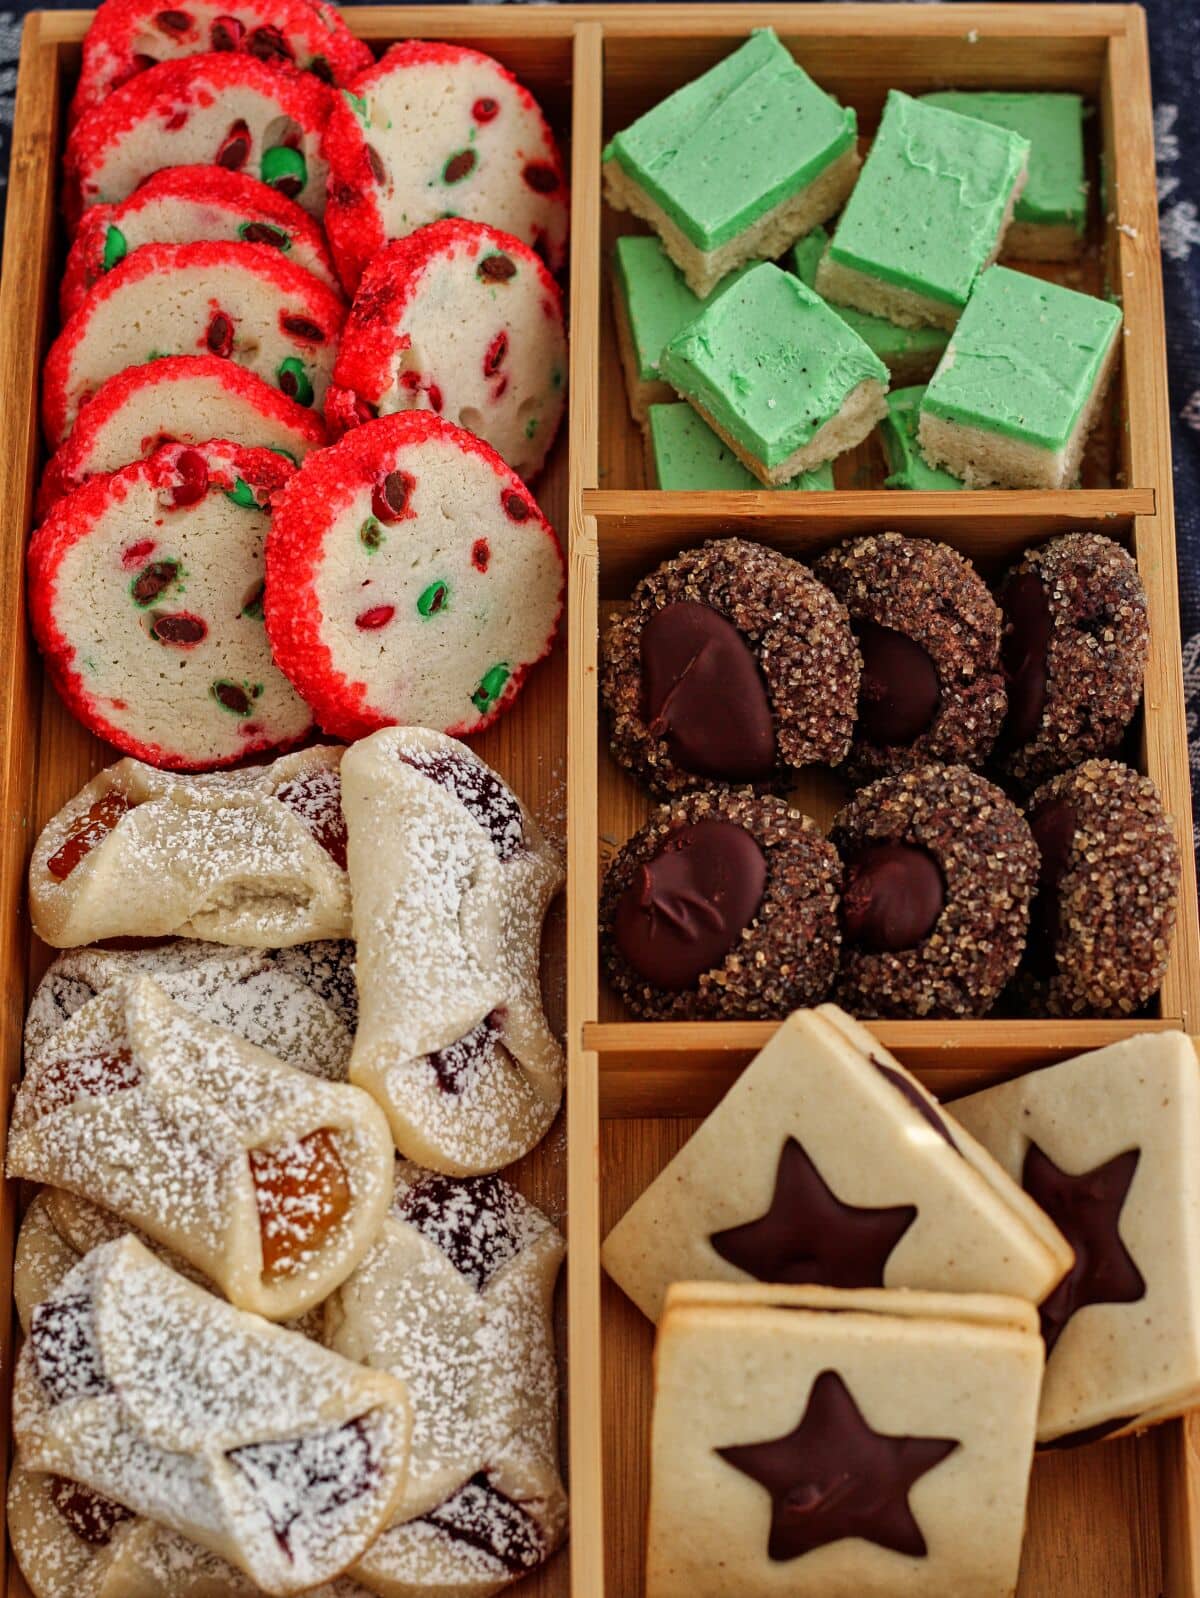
215	572
785	369
871	1306
286	1327
734	667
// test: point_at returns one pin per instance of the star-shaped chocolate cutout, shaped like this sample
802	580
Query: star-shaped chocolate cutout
809	1235
835	1477
1087	1211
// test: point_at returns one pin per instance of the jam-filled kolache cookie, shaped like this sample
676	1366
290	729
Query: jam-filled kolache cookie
240	302
821	1441
269	1180
737	164
127	37
272	1452
683	452
920	227
907	467
795	415
939	870
455	1300
254	857
411	578
464	320
731	664
451	881
723	907
1075	646
1107	893
827	1163
1105	1144
216	109
929	633
437	129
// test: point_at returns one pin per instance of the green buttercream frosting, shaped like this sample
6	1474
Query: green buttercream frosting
928	205
1023	359
770	362
898	430
688	454
888	341
1056	192
732	144
658	303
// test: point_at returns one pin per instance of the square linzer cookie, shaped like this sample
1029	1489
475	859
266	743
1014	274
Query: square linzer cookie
1015	395
737	164
683	452
927	215
778	375
1106	1144
810	1443
827	1163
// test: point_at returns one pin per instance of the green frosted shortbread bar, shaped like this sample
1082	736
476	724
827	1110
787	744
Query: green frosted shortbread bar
927	215
683	452
651	303
1051	215
907	467
1019	386
909	353
736	164
778	375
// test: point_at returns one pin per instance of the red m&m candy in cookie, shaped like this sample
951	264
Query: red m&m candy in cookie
411	578
437	130
146	598
465	321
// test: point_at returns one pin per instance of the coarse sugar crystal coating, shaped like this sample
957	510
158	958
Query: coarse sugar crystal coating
727	901
940	868
183	205
127	37
683	452
1075	647
146	601
731	664
228	110
1108	892
929	632
240	302
411	578
437	130
463	320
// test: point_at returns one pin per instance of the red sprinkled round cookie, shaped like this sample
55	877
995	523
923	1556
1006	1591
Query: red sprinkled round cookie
411	578
231	111
146	599
180	399
437	130
463	320
183	205
240	302
127	37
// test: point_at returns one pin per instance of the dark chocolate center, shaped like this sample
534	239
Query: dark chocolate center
1023	652
892	897
1053	826
899	695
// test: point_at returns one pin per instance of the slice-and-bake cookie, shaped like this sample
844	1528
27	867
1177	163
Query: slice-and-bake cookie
455	1300
254	857
272	1452
1105	1143
451	881
827	1163
270	1181
811	1443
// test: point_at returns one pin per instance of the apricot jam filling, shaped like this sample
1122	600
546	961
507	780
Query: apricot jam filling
303	1194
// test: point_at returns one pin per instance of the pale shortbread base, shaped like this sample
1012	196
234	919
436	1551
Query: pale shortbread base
642	392
764	239
986	459
862	409
848	285
1042	241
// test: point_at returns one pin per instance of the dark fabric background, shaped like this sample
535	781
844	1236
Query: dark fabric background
1175	50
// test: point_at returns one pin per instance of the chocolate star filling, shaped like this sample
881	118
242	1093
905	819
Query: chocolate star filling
918	1101
834	1477
1024	649
810	1235
1087	1211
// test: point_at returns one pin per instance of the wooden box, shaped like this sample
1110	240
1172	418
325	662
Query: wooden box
1118	1520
